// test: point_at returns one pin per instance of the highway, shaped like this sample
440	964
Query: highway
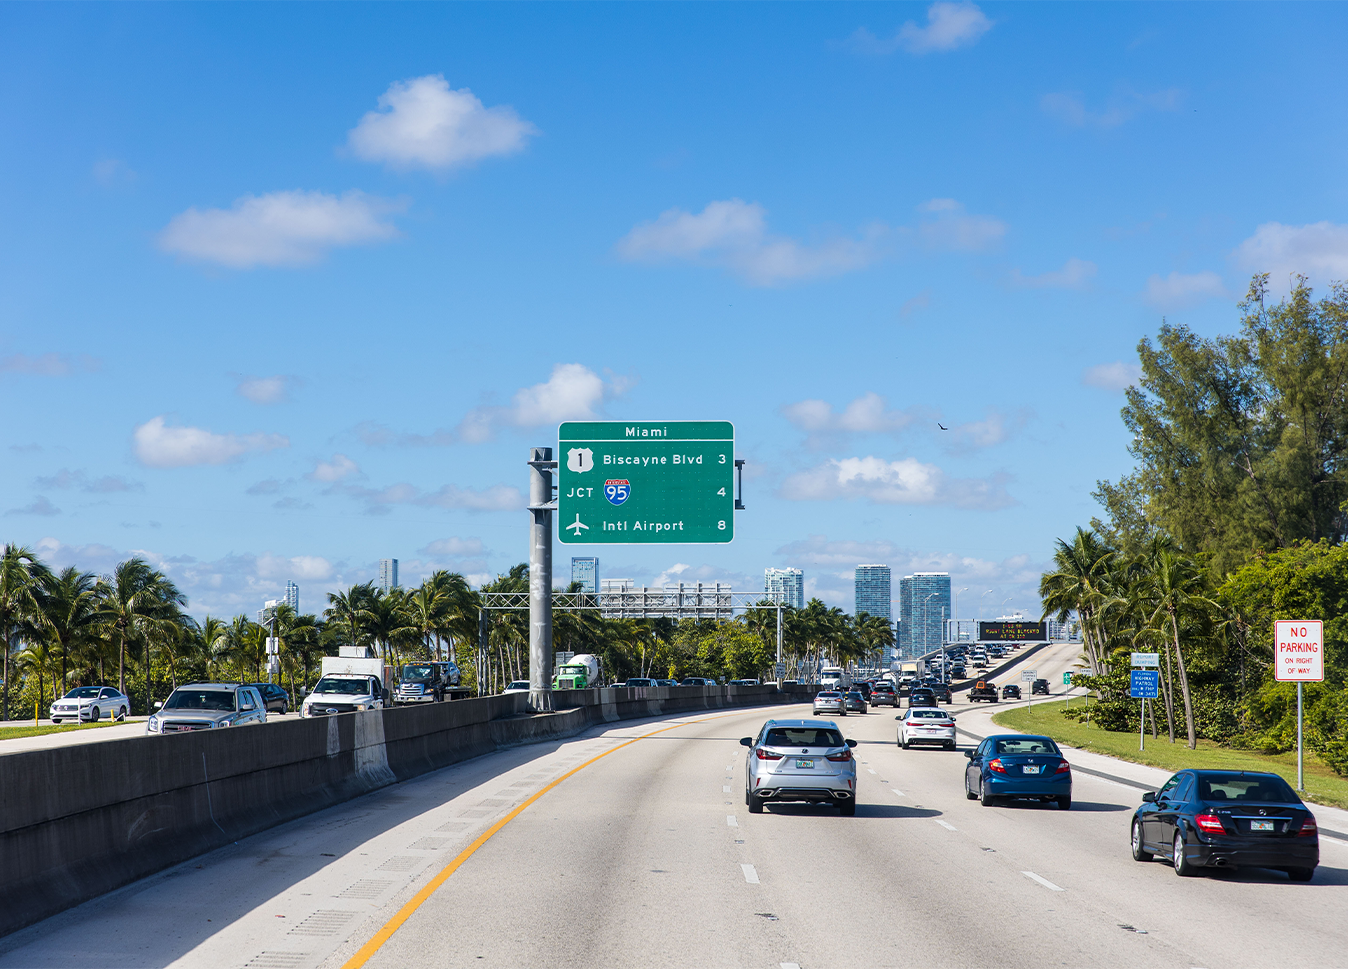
644	854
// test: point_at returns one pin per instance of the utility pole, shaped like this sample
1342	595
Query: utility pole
541	507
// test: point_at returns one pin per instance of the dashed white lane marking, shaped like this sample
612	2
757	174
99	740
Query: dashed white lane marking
897	791
729	766
725	788
945	824
750	875
870	770
1041	880
789	965
731	822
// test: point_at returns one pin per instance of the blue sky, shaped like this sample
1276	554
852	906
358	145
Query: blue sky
291	288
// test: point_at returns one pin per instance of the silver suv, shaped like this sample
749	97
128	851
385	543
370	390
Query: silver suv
205	706
800	760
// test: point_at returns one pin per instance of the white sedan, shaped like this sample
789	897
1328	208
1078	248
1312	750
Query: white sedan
85	704
927	725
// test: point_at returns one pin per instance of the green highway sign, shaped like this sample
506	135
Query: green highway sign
645	482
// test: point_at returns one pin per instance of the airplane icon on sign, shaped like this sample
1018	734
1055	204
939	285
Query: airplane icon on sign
577	525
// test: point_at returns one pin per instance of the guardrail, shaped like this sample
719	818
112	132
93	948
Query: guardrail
81	820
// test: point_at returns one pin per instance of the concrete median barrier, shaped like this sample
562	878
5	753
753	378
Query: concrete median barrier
81	820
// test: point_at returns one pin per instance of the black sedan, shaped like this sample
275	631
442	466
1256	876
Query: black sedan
1011	692
922	696
1227	819
274	698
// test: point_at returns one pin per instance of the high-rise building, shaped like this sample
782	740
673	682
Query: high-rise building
872	591
388	574
292	598
788	584
585	570
924	607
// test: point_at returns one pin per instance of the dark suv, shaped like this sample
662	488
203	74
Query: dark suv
922	696
274	698
883	695
1039	686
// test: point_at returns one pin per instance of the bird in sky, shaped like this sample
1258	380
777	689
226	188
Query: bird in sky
942	426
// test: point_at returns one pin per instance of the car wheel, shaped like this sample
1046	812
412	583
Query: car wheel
848	808
1300	874
985	795
755	803
968	793
95	715
55	719
1065	803
285	707
904	743
1140	853
1183	868
950	745
121	714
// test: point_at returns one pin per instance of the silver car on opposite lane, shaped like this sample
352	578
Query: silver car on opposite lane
800	760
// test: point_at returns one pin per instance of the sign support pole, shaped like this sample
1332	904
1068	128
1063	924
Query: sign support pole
781	672
1142	727
1301	782
540	578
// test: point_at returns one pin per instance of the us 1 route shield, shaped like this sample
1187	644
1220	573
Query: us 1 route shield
645	482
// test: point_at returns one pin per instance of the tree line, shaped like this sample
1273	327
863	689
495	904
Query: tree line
1234	517
131	628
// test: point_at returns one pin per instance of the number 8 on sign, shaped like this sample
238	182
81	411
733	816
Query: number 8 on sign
617	490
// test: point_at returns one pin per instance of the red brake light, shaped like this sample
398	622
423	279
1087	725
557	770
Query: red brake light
1308	827
1210	823
1063	768
996	765
766	754
841	755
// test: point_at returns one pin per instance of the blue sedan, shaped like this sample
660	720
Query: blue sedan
1018	765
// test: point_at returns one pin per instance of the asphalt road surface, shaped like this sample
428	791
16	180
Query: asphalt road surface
639	851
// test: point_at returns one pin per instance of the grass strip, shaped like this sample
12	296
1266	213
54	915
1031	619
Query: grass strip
1323	786
37	730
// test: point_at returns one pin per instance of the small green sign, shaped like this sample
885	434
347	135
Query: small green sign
1067	679
645	482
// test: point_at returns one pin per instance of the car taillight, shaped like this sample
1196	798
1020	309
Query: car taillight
996	765
1308	827
1064	768
767	754
1210	824
843	755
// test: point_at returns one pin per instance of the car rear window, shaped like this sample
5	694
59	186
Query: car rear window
1242	787
929	714
1026	745
803	737
828	695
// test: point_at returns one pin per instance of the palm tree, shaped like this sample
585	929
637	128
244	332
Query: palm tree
37	659
346	612
67	614
1177	586
130	601
1081	584
20	573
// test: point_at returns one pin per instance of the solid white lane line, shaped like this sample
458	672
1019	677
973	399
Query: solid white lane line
897	791
1042	880
731	822
945	824
750	875
726	788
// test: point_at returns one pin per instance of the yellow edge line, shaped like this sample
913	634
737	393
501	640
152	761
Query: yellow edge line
365	952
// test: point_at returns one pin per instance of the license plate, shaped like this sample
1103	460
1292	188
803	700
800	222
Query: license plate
1031	769
1261	825
804	765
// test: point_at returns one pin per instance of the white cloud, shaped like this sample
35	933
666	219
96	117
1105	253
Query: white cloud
1117	376
110	172
455	548
48	364
289	228
423	123
993	429
1070	107
573	392
1318	250
107	484
946	226
335	470
39	506
906	481
267	390
733	234
1075	274
916	304
950	26
495	498
310	568
160	446
867	414
1178	291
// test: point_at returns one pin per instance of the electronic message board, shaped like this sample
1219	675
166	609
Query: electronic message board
1012	632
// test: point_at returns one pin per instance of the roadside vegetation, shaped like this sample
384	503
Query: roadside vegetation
9	733
1234	517
131	629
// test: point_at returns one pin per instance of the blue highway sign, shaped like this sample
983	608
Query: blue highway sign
1145	684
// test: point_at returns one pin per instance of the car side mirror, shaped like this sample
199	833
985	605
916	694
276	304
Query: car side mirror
898	718
969	754
1149	797
746	741
850	743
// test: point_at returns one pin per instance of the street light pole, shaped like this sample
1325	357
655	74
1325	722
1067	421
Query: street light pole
957	612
